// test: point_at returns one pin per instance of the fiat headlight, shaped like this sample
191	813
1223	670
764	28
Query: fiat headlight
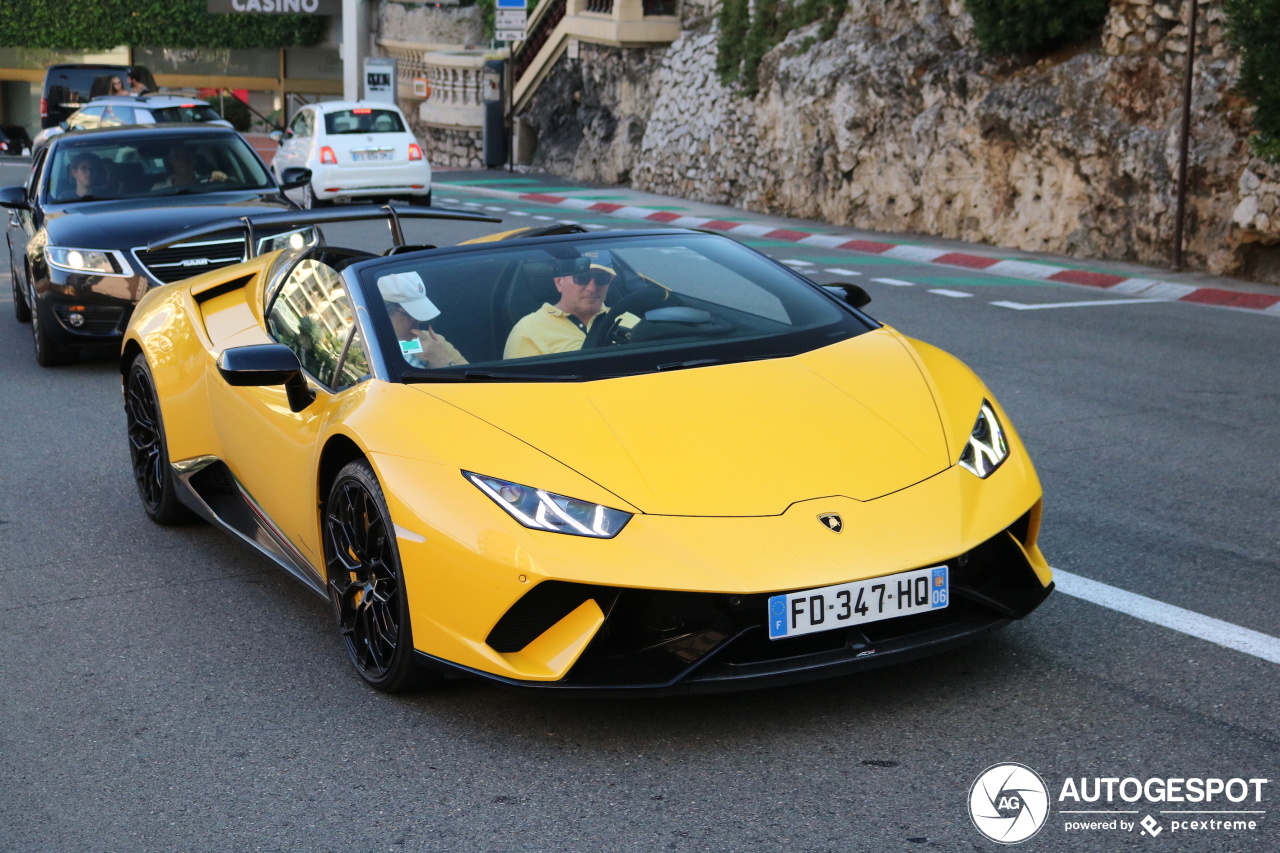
298	239
987	446
543	510
86	261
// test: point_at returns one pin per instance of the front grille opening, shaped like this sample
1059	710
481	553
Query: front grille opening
185	260
539	609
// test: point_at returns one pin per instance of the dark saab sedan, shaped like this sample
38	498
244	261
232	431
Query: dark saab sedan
79	228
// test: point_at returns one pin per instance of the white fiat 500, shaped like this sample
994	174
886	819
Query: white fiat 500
355	150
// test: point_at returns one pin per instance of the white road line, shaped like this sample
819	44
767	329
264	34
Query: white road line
594	227
449	200
567	221
792	262
546	218
518	213
838	271
1022	306
896	282
1169	616
491	207
954	294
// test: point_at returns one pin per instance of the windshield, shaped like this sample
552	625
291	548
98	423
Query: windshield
185	112
363	120
152	165
594	308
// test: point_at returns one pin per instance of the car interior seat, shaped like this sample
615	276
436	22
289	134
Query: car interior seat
384	124
531	286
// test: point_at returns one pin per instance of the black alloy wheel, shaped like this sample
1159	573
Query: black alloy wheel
148	450
366	585
49	353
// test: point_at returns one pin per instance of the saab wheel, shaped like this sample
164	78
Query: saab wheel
21	309
148	449
49	353
366	584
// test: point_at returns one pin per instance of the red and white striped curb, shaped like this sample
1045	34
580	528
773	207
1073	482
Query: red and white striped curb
1143	287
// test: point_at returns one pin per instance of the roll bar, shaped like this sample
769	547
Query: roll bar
290	219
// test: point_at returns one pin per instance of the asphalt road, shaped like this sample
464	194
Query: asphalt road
166	689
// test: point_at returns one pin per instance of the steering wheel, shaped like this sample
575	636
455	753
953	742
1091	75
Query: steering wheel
645	299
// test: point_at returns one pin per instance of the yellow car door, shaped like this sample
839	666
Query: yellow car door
271	449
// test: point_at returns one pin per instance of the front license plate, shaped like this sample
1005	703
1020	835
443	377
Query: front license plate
366	156
857	603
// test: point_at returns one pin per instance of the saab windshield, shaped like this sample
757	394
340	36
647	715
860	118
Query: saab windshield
595	307
152	165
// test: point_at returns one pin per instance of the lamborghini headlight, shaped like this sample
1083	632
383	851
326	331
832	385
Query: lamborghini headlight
297	239
986	447
543	510
93	261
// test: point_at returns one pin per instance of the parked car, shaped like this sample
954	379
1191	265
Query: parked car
14	140
69	87
78	229
355	150
124	110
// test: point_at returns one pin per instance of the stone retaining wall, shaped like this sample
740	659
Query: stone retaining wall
900	124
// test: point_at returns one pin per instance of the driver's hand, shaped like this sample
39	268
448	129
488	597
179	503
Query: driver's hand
218	176
436	351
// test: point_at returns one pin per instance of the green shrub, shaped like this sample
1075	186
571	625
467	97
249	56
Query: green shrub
233	110
104	24
745	39
1253	26
1034	26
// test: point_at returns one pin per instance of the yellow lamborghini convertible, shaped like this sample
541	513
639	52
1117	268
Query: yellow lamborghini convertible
642	461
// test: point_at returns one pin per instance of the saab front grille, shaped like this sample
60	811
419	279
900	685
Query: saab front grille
185	260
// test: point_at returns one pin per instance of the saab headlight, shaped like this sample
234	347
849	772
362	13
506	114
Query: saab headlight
297	239
987	446
543	510
92	261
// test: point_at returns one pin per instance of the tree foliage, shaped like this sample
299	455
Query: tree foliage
746	38
104	24
1034	26
1253	26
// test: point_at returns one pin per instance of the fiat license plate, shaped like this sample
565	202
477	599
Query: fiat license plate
372	154
795	613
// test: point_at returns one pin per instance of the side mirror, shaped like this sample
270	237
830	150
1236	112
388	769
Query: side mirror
851	293
14	198
267	364
276	136
294	177
64	125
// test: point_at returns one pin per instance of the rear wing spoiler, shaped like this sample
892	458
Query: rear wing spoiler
290	219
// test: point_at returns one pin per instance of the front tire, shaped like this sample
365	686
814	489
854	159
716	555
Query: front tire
21	310
309	200
49	353
148	449
366	584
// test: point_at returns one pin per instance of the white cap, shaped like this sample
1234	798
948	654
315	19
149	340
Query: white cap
407	290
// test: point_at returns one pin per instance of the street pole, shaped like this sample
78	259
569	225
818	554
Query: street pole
1185	142
355	47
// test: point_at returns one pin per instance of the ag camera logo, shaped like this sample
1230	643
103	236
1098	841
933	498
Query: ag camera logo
1009	803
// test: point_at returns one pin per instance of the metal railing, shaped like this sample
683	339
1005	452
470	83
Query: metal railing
538	34
599	7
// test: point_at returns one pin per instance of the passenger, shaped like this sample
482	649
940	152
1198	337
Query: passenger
116	87
182	162
140	80
89	173
583	284
409	307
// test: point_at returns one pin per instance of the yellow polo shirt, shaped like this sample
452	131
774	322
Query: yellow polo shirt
547	330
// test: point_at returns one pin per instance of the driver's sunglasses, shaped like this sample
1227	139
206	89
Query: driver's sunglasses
602	279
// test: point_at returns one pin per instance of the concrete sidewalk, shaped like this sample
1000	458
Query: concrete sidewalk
626	203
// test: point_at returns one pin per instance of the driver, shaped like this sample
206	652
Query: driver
583	284
182	159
